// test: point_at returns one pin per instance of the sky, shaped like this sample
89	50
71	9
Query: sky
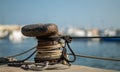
64	13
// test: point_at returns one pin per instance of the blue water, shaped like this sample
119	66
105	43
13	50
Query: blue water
94	48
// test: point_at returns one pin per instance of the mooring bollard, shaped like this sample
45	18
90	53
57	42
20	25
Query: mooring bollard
51	47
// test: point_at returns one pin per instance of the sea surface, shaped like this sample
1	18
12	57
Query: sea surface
93	48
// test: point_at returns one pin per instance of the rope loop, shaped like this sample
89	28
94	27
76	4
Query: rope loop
68	39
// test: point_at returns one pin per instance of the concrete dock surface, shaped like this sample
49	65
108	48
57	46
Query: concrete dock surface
73	68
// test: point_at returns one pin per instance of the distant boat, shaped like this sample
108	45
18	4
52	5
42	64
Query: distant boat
3	34
111	39
16	36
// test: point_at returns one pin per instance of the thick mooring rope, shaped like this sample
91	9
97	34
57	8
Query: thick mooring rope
95	57
11	59
19	54
65	52
49	52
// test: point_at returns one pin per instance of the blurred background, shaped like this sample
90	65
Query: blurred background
80	18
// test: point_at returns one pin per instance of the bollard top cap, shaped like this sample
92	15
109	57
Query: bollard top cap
34	30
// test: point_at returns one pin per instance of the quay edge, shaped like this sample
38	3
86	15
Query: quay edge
73	68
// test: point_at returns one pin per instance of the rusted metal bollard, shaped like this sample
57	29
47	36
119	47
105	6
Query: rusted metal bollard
50	47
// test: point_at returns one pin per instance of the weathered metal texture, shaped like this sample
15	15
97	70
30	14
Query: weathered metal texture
35	30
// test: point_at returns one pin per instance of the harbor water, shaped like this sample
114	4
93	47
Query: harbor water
93	48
